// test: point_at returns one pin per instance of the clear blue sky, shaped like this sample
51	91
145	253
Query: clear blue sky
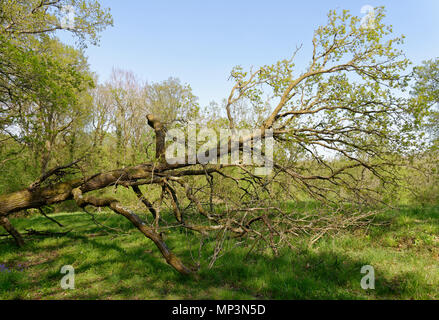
200	41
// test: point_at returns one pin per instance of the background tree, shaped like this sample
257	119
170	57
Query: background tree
424	171
27	21
426	90
43	84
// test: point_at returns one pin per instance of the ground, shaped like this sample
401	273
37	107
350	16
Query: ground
403	249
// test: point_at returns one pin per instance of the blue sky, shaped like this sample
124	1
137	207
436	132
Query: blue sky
200	41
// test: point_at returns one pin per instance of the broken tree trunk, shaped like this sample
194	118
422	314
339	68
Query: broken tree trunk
37	196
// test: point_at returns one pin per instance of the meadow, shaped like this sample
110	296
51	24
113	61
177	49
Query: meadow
401	244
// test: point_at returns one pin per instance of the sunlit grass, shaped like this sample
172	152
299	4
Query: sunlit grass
403	249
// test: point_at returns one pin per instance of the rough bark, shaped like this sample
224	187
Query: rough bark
114	205
5	223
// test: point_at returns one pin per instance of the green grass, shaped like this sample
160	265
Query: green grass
404	252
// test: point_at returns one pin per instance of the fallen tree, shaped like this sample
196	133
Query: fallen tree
344	117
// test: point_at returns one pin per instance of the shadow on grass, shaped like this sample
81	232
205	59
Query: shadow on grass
130	267
134	274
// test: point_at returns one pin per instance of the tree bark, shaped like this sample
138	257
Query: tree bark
5	223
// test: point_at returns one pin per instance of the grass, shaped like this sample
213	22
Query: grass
404	253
